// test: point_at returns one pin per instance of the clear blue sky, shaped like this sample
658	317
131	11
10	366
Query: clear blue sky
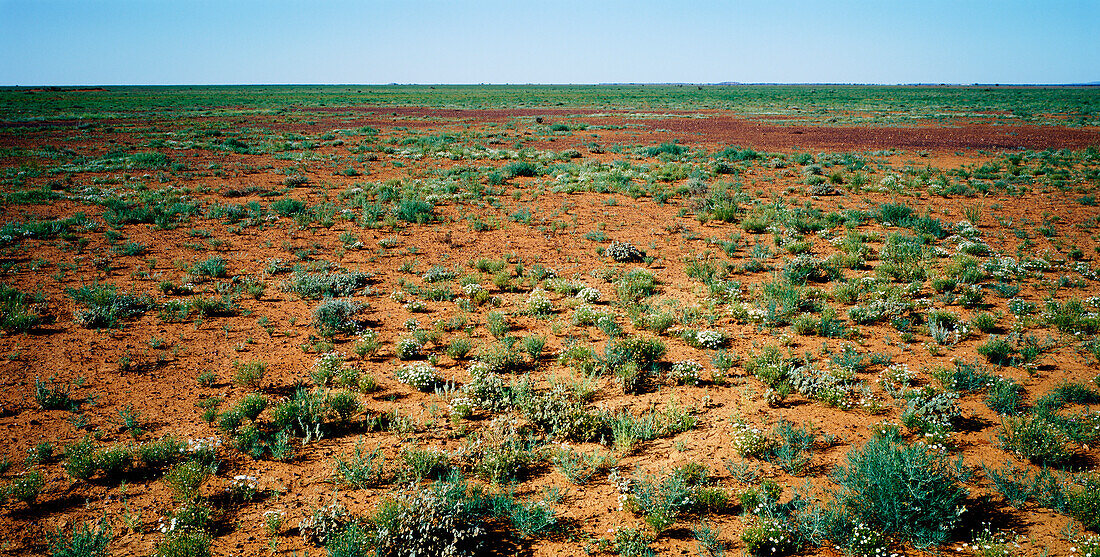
69	42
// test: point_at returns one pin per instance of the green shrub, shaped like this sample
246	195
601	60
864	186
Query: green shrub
16	313
1083	503
249	374
1035	439
999	351
631	542
905	490
497	324
363	469
85	541
1004	396
414	210
326	285
186	479
105	305
345	404
636	285
54	395
80	459
213	267
519	168
770	536
288	207
643	353
459	348
336	316
26	487
184	543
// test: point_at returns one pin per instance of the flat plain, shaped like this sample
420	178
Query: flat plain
542	320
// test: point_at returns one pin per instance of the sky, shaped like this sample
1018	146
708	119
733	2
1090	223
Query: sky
140	42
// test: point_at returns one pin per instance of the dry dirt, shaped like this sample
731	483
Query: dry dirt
159	382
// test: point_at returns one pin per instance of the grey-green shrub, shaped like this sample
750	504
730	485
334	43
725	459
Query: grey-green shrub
910	491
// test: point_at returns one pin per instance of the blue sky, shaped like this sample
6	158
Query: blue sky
71	42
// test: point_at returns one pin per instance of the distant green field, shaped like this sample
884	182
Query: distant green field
823	103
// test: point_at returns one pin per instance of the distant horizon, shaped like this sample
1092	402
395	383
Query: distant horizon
534	84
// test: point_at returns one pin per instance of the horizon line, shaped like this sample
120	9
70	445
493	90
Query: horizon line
540	84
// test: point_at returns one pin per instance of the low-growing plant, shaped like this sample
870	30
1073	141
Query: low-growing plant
84	541
336	316
249	374
105	305
1035	439
909	491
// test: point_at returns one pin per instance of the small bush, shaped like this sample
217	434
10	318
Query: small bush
1035	439
105	305
336	316
26	487
16	313
422	377
1004	396
213	267
85	541
623	252
249	374
1083	503
905	490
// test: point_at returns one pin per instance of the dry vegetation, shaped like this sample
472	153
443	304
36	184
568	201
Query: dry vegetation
492	332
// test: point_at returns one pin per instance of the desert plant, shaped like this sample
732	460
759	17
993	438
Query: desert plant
905	490
1035	439
85	541
336	316
213	267
105	305
422	376
1004	396
17	310
26	487
249	374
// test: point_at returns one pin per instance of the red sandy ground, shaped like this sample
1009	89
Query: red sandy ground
161	384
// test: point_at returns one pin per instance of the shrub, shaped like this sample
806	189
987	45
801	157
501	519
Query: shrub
186	479
320	285
213	267
423	377
16	313
184	543
1083	503
519	168
249	374
53	395
685	372
415	210
905	490
636	285
288	207
623	252
999	351
1035	439
407	348
26	487
1004	396
770	537
84	542
443	519
497	324
363	469
336	316
80	459
641	352
105	305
